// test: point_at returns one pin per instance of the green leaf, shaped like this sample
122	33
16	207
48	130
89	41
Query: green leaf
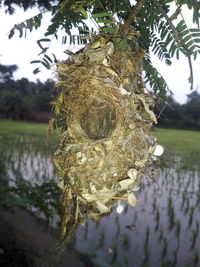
37	70
193	48
64	39
101	15
172	50
168	40
72	40
54	57
197	40
46	63
105	21
41	41
194	30
121	44
35	61
68	52
195	34
164	33
187	38
20	33
48	58
156	81
44	40
185	32
191	42
30	23
108	29
44	50
11	33
181	26
84	13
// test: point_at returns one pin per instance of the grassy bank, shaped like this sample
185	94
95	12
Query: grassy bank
171	139
18	133
181	141
19	127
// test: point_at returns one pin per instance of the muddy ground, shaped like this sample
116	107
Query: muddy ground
25	241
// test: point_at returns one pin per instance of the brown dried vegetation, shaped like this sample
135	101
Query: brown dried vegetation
107	145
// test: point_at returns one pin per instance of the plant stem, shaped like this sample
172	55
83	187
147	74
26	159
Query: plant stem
133	14
178	39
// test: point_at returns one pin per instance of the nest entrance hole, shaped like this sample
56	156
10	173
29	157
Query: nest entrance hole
98	120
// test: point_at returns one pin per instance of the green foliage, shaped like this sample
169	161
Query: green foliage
195	7
166	41
174	115
120	43
158	34
11	5
12	105
6	72
156	81
159	49
8	200
46	197
189	39
29	24
20	98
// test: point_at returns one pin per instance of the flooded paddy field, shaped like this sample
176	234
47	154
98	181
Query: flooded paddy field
163	228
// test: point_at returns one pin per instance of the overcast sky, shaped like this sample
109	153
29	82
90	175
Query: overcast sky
21	51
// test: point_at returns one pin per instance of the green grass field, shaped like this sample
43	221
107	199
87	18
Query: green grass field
19	127
171	139
179	140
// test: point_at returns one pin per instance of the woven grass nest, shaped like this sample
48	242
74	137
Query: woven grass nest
107	146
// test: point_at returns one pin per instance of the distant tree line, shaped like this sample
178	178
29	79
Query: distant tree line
174	115
23	99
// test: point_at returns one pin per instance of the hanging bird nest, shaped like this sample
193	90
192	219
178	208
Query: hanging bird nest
108	113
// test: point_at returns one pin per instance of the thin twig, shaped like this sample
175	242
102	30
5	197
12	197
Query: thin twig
116	197
178	39
176	13
133	14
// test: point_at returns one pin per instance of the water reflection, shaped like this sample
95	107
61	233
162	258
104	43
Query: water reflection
163	228
26	161
28	158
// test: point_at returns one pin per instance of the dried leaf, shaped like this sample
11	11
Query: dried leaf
132	173
150	114
96	44
132	199
125	183
102	207
130	67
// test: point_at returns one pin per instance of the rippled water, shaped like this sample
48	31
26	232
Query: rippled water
28	158
162	230
159	231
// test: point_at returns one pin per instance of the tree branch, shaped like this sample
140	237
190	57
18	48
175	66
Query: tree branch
178	39
176	13
133	14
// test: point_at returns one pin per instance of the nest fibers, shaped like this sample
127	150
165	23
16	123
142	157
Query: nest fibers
107	145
